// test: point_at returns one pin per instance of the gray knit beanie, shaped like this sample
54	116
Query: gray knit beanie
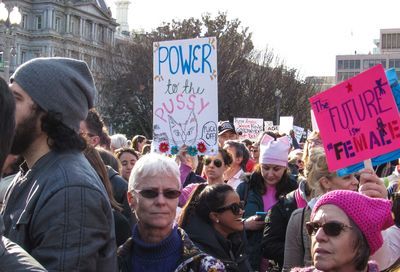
58	84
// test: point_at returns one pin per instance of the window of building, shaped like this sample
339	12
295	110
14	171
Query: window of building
100	33
72	27
24	21
38	21
88	29
58	24
345	64
357	64
341	76
368	63
340	64
23	57
384	46
398	40
349	64
391	41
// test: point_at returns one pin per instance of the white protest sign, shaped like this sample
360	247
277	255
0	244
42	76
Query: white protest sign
298	132
269	126
185	107
285	124
249	127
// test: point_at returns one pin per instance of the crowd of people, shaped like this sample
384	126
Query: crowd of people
74	198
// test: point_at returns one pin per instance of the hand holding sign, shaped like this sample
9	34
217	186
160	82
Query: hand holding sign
371	185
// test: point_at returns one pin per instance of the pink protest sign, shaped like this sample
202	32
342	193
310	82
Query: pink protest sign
358	119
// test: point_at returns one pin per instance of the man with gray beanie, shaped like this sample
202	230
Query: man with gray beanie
56	207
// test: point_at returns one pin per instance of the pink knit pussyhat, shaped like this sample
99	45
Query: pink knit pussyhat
371	215
274	151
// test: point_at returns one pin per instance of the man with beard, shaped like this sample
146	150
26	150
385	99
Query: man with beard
12	256
57	208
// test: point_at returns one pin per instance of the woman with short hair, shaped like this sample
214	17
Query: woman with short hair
157	244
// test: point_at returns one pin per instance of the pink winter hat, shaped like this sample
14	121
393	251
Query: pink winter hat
274	151
371	215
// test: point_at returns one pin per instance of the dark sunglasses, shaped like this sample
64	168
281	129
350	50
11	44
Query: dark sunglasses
153	193
234	207
217	162
330	228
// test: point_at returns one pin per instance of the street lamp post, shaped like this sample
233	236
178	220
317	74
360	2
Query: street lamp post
278	96
8	21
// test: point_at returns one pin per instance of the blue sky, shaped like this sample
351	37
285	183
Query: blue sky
305	34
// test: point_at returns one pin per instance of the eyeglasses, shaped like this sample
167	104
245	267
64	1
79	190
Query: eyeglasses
217	162
153	193
330	228
234	207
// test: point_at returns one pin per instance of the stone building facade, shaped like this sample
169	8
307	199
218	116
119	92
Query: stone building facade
82	30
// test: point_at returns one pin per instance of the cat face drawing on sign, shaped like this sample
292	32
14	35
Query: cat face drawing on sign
184	133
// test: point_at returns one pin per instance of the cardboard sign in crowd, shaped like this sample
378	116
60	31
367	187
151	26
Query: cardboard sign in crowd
185	102
358	119
248	128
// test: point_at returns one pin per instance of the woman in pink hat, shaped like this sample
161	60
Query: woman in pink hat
321	180
269	181
345	229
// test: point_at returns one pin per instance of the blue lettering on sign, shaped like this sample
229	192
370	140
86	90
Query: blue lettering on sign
194	61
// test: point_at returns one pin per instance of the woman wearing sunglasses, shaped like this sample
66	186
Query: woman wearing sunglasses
214	168
213	221
321	180
268	182
156	243
345	229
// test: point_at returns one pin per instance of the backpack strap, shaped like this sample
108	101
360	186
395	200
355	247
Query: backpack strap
302	226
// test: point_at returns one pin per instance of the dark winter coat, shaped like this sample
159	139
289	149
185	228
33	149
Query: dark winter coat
230	251
59	212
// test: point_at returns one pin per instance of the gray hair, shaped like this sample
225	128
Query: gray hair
153	165
118	141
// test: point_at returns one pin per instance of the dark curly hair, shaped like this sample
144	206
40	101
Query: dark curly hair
60	137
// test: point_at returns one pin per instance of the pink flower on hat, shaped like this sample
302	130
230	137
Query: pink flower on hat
274	151
371	215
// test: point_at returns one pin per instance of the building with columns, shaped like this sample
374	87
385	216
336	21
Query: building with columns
82	30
